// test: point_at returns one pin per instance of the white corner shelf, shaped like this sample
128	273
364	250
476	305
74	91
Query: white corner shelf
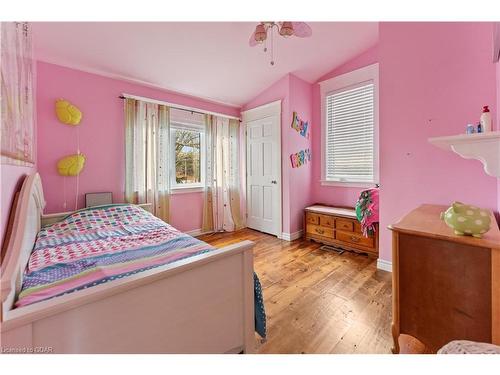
484	147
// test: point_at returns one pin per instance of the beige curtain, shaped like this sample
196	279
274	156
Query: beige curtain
233	177
147	133
222	194
208	212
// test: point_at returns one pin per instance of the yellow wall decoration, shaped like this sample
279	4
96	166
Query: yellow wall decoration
67	113
71	165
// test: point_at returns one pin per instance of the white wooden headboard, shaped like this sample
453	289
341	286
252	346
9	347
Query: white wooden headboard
25	226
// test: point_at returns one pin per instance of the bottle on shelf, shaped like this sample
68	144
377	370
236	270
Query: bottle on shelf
485	120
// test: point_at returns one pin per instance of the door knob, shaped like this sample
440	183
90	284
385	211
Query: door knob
273	182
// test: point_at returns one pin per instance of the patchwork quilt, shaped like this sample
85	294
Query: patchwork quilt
96	245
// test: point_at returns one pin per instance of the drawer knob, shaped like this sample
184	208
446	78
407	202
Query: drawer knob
320	231
354	239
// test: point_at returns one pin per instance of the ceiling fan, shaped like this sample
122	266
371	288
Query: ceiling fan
286	29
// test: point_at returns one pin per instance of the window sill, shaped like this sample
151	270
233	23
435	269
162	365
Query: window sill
348	184
187	190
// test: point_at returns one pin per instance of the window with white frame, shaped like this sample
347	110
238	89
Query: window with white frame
349	106
187	139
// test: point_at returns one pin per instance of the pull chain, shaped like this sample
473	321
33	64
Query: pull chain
78	175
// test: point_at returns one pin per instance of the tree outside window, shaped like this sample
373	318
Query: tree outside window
187	156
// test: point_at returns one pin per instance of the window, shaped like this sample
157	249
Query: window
187	137
187	157
350	154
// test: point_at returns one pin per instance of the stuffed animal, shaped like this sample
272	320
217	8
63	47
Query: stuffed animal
467	220
71	165
67	113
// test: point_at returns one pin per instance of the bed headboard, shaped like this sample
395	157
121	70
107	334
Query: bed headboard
25	226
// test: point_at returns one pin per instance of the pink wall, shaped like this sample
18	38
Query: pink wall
300	187
367	57
334	195
434	78
295	95
101	137
279	90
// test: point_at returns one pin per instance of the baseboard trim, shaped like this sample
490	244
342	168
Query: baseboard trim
384	265
291	236
197	232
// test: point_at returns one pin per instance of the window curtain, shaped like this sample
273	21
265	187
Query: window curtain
221	211
147	145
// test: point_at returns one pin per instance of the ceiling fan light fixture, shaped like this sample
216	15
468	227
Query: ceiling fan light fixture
260	33
283	28
286	29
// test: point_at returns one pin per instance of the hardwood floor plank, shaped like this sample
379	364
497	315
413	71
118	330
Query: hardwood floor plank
318	301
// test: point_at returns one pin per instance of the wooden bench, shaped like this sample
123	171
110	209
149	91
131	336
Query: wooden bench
339	227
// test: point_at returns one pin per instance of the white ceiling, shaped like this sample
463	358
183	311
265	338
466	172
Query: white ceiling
211	60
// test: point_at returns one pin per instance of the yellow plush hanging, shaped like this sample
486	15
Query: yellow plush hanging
71	165
67	113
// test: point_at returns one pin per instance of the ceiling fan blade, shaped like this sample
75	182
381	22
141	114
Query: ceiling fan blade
301	29
252	42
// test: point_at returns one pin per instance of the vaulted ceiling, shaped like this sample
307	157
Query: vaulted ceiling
211	60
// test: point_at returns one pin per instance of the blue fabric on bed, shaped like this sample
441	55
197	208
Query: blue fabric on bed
260	312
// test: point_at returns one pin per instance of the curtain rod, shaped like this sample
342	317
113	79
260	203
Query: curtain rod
177	106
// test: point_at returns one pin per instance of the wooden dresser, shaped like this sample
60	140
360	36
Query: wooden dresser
339	227
445	287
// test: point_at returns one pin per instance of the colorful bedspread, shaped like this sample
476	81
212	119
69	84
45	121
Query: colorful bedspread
96	245
100	244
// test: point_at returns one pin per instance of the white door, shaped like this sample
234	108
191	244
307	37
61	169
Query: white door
264	174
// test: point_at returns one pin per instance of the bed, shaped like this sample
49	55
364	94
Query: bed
195	300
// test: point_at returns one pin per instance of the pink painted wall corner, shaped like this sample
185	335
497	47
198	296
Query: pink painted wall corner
101	134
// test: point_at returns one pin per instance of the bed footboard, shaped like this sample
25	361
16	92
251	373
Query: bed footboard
202	305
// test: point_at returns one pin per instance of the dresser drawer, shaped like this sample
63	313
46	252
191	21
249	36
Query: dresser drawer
320	231
357	227
312	218
355	239
326	221
343	224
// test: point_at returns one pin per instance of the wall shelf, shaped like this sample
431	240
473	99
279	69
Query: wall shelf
484	147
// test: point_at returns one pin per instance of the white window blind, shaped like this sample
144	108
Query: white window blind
350	134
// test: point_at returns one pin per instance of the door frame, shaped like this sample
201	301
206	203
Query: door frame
259	113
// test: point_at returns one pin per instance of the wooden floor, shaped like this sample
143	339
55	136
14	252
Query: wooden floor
318	301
